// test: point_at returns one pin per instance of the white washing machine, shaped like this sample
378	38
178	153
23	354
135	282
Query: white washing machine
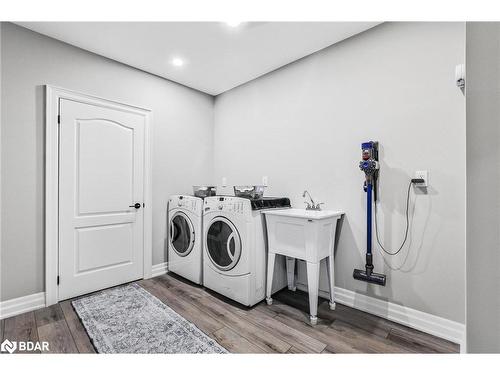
235	254
185	244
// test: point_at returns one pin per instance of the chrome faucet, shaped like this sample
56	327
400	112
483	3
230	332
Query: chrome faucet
311	205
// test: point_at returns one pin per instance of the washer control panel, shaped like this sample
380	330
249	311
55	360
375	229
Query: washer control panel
186	202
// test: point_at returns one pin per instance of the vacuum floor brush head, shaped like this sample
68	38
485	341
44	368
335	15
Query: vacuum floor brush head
374	278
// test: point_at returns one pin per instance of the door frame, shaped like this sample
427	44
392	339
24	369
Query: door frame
53	95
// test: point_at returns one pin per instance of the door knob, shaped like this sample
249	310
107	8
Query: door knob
137	205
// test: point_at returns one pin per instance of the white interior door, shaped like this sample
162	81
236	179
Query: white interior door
101	173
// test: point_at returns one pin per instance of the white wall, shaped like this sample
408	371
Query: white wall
302	126
483	183
182	132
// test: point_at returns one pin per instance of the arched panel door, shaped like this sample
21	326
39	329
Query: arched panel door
101	182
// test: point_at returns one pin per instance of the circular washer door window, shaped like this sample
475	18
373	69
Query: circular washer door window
223	244
181	234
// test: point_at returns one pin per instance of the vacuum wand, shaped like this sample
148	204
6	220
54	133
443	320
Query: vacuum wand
369	165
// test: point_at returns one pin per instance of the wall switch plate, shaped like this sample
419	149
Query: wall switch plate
224	181
265	180
423	175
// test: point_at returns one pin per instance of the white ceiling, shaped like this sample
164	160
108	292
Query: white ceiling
217	57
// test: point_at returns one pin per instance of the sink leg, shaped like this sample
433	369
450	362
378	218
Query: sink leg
271	257
290	273
330	269
313	287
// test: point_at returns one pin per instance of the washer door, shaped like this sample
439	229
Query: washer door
181	234
223	244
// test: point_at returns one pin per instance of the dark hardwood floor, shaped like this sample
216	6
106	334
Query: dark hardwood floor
281	328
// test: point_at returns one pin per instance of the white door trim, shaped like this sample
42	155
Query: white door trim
53	95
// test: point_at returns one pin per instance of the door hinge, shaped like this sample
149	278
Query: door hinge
58	119
58	280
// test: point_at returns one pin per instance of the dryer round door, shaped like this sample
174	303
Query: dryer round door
181	234
223	244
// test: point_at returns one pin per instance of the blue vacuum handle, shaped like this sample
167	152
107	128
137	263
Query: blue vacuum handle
369	218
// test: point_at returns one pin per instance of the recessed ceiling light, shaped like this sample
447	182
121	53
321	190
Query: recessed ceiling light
233	23
177	61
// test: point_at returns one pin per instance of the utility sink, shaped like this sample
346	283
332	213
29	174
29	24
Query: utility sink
302	213
300	233
307	235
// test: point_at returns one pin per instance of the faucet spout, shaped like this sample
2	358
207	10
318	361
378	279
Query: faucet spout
310	198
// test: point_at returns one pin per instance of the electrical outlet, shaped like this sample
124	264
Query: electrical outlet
423	175
224	181
264	180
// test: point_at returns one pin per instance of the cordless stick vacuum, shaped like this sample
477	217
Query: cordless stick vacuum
370	166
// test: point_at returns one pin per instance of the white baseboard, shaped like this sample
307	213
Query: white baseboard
432	324
159	269
21	305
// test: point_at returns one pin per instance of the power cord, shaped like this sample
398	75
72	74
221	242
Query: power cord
412	181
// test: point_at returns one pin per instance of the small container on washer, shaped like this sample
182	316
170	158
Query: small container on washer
204	191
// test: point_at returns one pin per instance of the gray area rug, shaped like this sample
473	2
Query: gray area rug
128	319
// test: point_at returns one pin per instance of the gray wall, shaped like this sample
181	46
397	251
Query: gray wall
0	161
483	184
182	132
302	126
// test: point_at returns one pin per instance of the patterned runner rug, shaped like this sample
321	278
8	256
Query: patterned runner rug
128	319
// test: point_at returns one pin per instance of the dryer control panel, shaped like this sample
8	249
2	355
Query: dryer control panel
227	204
